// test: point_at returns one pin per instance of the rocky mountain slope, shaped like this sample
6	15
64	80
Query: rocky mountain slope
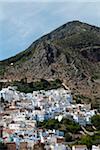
70	53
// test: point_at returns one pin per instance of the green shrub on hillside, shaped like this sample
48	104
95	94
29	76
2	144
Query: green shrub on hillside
25	87
95	120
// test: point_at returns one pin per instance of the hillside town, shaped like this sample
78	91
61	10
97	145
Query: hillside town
49	74
20	115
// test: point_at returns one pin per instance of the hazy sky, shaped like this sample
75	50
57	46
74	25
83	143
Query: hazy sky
23	21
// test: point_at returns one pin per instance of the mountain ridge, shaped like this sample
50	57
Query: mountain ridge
46	35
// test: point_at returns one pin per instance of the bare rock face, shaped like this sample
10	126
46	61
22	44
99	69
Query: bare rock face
71	53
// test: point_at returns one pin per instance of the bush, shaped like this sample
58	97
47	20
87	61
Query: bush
95	120
3	146
66	124
87	140
25	87
68	137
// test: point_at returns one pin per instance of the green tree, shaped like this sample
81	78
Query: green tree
68	137
3	146
86	140
2	99
95	120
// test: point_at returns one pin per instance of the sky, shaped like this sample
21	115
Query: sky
24	21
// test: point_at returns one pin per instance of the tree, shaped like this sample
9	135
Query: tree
3	146
2	99
68	137
1	85
87	140
95	120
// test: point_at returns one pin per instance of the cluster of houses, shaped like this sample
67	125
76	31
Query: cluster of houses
43	105
20	113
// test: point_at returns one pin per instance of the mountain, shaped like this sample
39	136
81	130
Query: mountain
70	53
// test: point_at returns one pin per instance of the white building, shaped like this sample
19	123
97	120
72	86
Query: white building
94	147
79	147
14	126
